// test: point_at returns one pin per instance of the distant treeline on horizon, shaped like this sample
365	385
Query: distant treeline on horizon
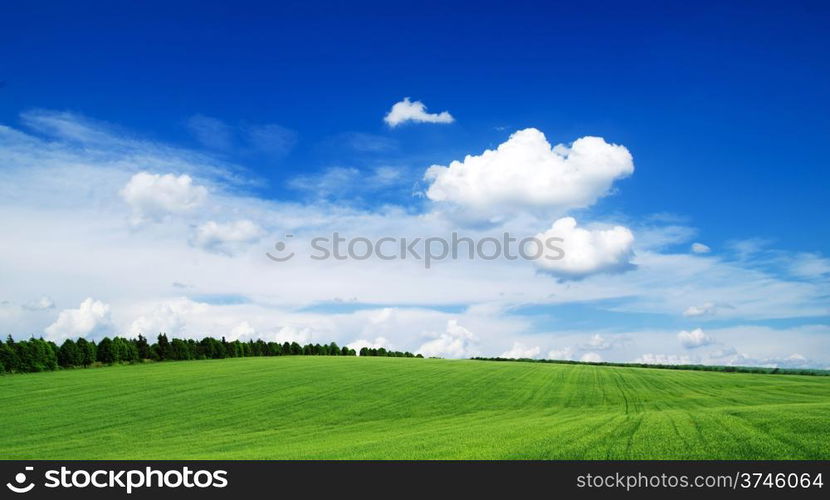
706	368
38	355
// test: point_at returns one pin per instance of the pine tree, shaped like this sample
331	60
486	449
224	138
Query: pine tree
143	347
88	352
8	356
165	350
106	353
69	355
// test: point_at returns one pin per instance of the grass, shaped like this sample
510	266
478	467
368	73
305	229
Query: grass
395	408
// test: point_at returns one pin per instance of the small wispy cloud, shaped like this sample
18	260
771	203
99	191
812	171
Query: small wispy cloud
365	143
210	132
706	309
226	238
700	248
414	111
269	139
344	182
41	304
694	339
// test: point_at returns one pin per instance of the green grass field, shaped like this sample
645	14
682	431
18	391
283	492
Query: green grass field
394	408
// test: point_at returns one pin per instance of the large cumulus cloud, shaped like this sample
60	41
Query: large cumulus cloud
525	172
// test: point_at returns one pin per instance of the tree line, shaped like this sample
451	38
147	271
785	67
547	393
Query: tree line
705	368
37	355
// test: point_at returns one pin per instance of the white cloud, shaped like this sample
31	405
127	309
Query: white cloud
300	335
749	248
455	342
41	304
585	251
809	265
243	331
414	111
700	248
226	238
69	126
565	354
153	196
107	154
359	344
210	132
706	309
519	351
794	360
183	317
669	283
342	182
694	339
591	357
89	318
171	317
601	343
333	180
663	234
731	357
526	173
664	359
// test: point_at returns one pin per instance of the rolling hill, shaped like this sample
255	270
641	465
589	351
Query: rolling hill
318	407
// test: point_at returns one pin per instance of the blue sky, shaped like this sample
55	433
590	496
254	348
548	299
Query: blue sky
723	108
